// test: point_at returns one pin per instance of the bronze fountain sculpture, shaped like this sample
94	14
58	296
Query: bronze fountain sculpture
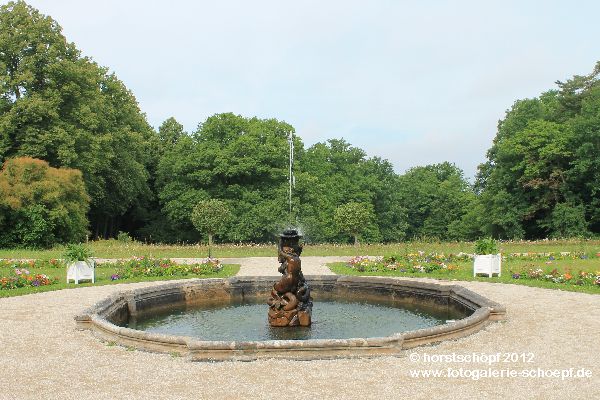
290	303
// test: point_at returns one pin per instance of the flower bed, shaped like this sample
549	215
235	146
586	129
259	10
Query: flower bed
409	263
23	278
532	272
552	256
31	264
533	267
148	267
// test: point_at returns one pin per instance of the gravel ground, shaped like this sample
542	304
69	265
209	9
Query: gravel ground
44	357
267	266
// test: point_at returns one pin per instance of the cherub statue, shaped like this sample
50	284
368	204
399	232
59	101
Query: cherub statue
290	300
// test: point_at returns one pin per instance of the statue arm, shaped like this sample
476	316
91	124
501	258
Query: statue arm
283	255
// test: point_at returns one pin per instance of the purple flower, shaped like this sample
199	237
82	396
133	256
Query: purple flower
114	277
35	283
516	276
551	258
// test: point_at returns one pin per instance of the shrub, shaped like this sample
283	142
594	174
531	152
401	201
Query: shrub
124	237
40	205
486	246
77	252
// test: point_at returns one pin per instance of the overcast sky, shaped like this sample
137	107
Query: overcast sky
415	82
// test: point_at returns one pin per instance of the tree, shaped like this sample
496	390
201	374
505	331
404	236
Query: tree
61	107
353	218
436	197
541	176
170	132
243	161
40	205
210	216
567	221
334	173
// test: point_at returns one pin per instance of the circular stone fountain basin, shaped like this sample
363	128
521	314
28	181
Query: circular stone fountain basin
226	319
332	319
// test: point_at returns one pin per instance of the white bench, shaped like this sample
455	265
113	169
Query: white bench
488	264
81	270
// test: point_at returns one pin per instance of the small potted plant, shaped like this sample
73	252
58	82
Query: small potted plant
80	265
487	258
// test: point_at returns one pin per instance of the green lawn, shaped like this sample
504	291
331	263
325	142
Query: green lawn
465	273
103	274
116	249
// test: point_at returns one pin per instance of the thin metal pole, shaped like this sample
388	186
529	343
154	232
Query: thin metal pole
291	161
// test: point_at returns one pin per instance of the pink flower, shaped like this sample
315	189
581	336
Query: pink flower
18	271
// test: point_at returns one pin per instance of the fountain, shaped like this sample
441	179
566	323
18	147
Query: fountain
290	303
223	319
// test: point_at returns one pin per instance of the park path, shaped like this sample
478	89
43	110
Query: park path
43	356
267	266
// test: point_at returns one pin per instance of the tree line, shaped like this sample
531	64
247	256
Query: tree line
63	118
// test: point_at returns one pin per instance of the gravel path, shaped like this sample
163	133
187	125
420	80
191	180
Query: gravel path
44	357
267	266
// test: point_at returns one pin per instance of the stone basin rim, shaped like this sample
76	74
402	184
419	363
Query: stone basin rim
100	318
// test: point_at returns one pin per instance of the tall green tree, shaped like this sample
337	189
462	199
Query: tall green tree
334	173
169	132
436	198
61	107
243	161
540	179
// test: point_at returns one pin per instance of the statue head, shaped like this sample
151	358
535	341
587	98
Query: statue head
290	238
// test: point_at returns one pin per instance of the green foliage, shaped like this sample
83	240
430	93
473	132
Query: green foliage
437	198
486	246
541	178
170	132
335	173
353	218
124	237
76	252
41	205
61	107
567	220
242	161
210	216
